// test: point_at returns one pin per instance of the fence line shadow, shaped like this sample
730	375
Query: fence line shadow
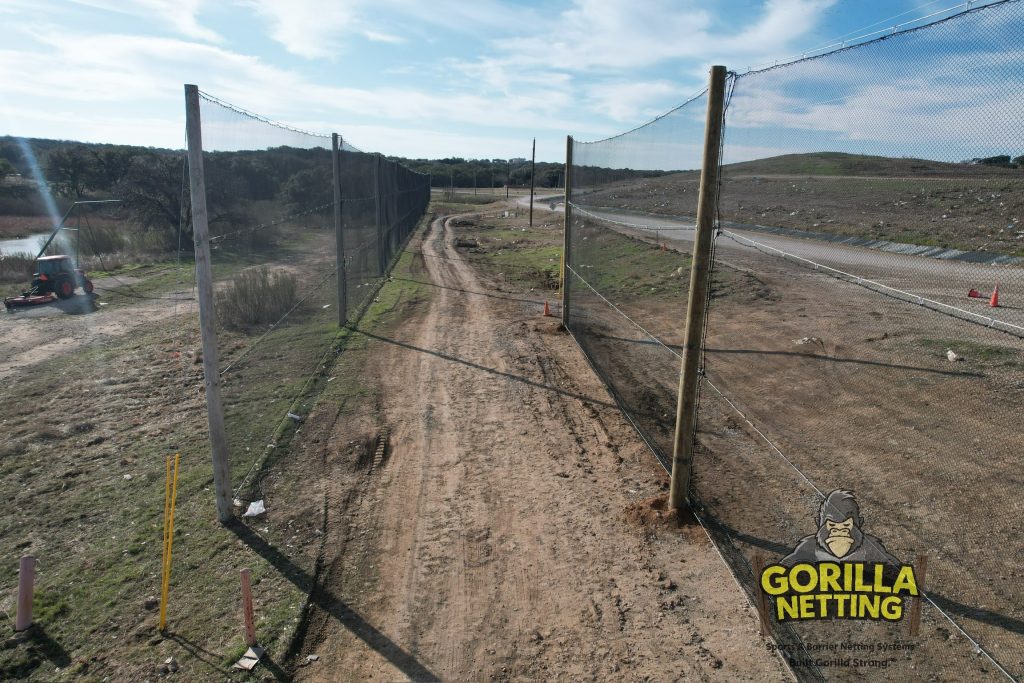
484	368
334	606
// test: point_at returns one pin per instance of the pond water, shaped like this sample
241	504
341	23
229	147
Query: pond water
28	244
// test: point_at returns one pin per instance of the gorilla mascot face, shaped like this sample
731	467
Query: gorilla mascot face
839	523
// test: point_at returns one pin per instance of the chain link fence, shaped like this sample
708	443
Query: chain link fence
865	329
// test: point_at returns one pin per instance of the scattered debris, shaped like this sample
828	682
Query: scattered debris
953	357
250	659
809	340
297	418
256	508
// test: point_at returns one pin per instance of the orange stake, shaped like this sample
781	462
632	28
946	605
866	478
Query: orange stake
994	301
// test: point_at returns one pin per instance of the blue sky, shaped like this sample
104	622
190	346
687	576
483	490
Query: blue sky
416	78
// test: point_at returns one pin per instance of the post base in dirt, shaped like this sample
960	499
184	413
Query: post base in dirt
26	587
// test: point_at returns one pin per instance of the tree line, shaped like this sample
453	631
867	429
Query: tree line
152	183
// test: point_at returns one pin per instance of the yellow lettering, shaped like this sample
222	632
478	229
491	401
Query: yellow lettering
906	581
786	608
892	608
859	584
812	578
841	604
806	606
869	606
828	577
880	586
773	580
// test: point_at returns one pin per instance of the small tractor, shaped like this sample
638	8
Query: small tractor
55	275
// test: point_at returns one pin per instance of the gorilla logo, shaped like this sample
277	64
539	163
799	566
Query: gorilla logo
839	537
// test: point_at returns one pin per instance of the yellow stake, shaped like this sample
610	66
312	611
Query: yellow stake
170	498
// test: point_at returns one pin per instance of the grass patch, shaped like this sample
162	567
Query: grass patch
256	296
987	354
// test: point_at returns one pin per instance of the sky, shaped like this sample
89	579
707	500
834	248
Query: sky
412	78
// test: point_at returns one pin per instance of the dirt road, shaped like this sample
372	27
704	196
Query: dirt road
501	535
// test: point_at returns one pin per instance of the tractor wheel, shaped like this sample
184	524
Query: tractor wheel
65	288
87	286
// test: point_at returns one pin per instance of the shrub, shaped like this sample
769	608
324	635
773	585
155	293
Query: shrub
256	297
17	267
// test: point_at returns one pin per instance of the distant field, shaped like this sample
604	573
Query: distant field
961	206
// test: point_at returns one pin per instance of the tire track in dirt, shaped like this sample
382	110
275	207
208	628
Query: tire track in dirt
492	544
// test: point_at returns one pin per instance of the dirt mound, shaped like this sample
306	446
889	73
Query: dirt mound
654	513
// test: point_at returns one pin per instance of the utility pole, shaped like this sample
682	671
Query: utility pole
339	237
207	315
492	181
508	176
533	167
474	183
696	310
451	186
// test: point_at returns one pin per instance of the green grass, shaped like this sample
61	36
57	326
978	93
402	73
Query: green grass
975	352
621	266
77	423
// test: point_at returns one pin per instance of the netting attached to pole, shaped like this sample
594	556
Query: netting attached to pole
866	326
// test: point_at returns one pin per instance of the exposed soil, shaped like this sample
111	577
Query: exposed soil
857	391
489	516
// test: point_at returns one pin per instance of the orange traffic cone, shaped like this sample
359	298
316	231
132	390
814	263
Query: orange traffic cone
974	294
547	310
994	301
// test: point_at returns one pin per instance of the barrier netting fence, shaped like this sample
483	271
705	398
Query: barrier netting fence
274	246
865	328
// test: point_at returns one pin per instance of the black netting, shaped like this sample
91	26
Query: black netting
271	205
866	324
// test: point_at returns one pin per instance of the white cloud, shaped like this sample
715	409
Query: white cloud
181	15
631	101
308	28
378	37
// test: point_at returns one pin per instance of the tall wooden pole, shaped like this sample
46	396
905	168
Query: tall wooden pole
377	211
508	176
567	232
207	315
533	167
339	237
696	310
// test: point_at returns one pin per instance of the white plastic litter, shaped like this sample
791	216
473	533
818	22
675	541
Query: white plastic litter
256	508
952	356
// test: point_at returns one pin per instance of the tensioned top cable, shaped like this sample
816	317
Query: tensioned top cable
270	122
645	125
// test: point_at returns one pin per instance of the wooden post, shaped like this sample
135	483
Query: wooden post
380	223
508	177
920	573
686	409
339	237
762	599
247	616
567	233
207	315
26	586
533	167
